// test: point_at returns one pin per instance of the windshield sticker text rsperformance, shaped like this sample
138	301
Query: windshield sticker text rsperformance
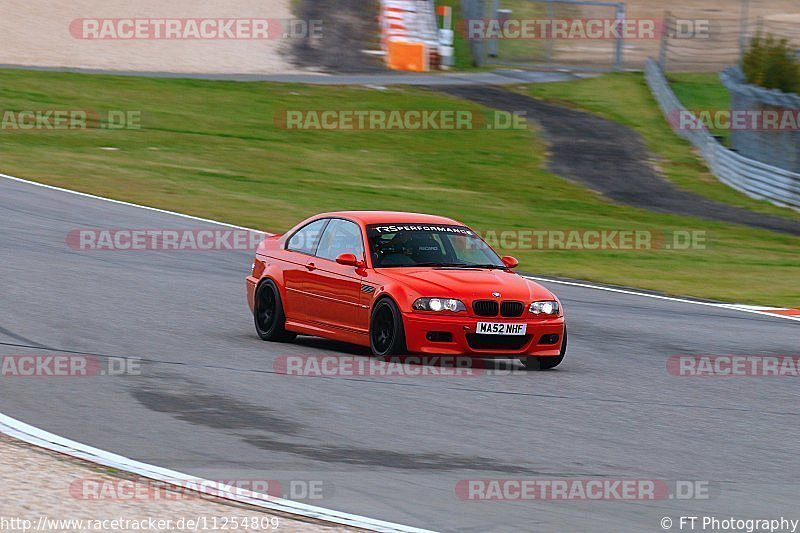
461	230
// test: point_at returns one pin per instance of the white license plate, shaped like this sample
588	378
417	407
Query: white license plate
500	328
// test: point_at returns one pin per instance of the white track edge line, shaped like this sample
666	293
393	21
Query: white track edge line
129	204
735	307
38	437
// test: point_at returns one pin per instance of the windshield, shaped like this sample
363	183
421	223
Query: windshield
408	245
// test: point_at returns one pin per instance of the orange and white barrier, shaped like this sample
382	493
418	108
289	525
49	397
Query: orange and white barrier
407	55
408	33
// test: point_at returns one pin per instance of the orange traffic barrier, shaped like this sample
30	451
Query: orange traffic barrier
404	55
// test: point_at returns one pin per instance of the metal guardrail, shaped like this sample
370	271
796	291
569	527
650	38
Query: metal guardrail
753	178
733	80
781	147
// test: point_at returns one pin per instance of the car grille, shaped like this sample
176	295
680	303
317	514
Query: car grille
512	309
477	341
492	308
485	307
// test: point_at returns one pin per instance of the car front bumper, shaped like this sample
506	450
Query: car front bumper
455	335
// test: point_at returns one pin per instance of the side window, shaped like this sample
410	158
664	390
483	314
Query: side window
306	238
341	237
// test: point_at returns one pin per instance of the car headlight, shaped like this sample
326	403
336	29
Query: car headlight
439	304
546	307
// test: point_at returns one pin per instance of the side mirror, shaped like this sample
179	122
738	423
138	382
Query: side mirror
510	262
349	260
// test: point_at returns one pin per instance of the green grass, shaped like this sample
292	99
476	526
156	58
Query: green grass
702	92
212	149
625	98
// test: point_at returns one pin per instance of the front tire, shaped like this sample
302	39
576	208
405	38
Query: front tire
268	314
386	334
546	363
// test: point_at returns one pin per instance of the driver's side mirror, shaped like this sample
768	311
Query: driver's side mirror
349	260
510	262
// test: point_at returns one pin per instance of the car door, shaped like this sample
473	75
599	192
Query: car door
334	289
299	259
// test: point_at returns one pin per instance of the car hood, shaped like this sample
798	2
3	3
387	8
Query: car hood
468	283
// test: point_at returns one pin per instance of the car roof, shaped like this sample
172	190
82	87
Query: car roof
390	217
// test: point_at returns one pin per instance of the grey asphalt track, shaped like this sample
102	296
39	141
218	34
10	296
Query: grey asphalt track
208	401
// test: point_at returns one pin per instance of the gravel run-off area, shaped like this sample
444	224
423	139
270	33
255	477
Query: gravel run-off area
54	492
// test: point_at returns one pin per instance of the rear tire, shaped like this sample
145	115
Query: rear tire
387	336
546	363
268	314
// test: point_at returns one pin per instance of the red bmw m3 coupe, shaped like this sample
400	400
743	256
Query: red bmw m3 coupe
402	283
